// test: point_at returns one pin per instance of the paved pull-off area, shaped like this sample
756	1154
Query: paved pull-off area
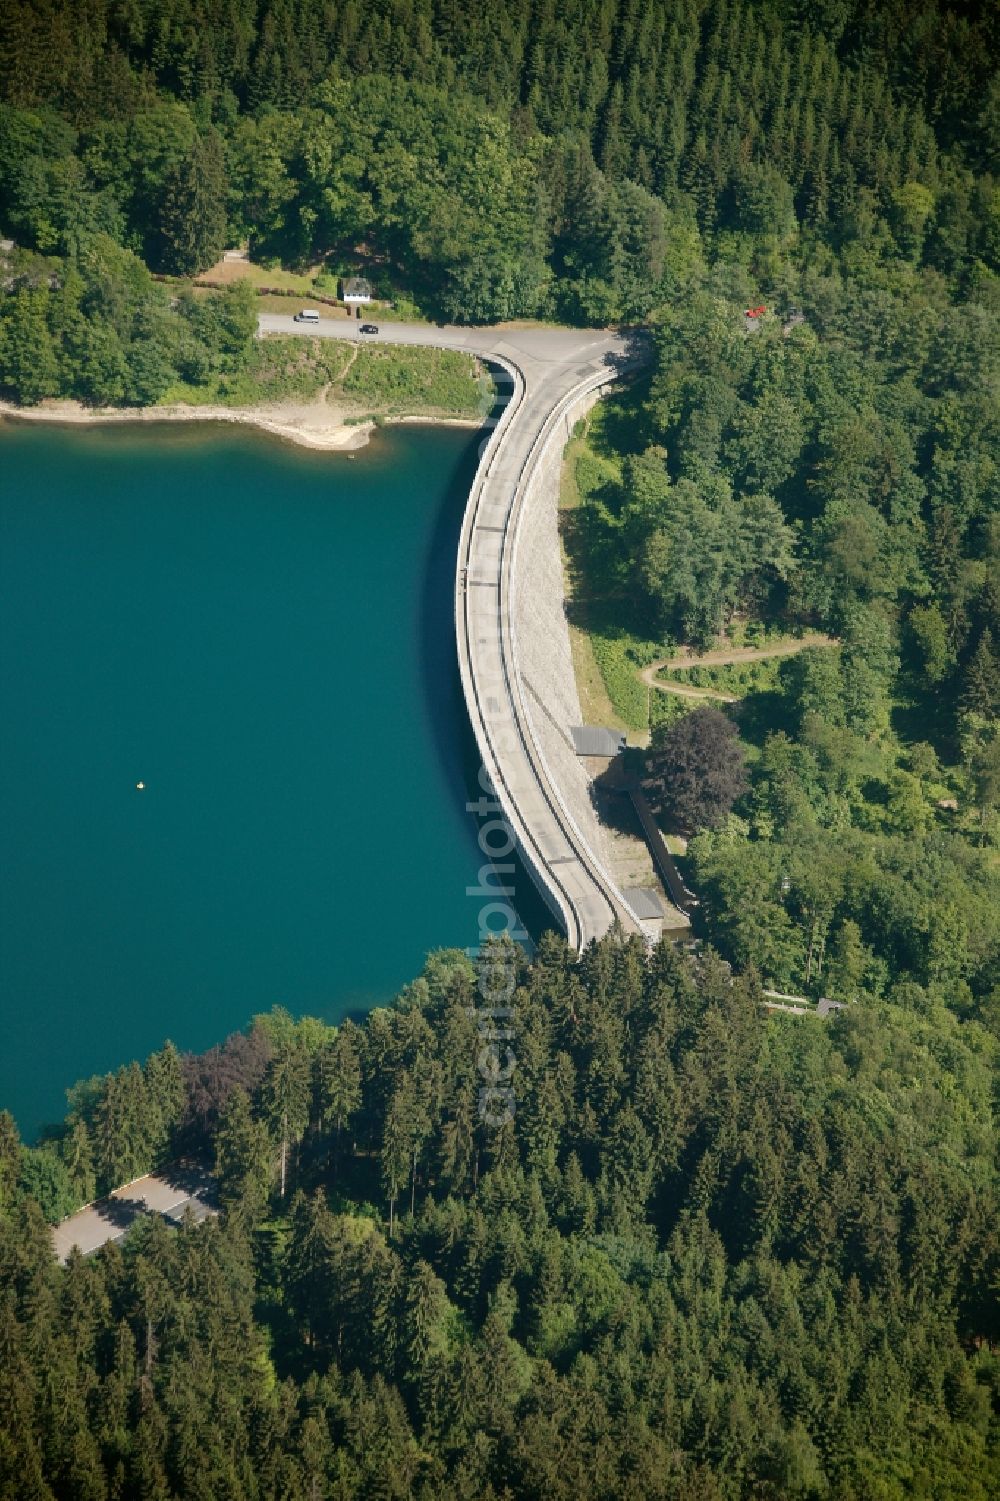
168	1193
554	372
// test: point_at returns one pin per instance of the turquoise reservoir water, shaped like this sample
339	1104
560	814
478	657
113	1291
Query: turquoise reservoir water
263	636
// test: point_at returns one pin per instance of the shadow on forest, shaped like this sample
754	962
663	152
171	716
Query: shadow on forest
920	716
608	615
760	714
626	425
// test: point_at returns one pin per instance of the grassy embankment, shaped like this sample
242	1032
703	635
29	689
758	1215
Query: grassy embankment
606	658
367	381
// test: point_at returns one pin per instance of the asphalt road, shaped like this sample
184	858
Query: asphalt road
536	344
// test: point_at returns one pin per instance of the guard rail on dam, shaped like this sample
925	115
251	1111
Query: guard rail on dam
556	374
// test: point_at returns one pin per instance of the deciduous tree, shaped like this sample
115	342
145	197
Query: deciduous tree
695	770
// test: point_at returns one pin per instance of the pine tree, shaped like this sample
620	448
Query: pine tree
243	1158
980	693
10	1160
123	1138
338	1082
166	1097
285	1098
192	221
425	1318
78	1154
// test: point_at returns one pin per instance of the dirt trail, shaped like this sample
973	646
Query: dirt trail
688	690
722	657
353	356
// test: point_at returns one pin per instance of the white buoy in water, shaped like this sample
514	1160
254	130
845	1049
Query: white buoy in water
140	786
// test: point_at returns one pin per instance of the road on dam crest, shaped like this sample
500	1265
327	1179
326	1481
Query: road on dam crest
551	370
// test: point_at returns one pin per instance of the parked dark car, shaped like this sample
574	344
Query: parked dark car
369	328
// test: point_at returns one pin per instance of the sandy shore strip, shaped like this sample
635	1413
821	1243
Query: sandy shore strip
312	424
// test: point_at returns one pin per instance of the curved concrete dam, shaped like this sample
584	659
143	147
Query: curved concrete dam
511	631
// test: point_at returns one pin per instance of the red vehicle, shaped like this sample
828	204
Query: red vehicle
755	312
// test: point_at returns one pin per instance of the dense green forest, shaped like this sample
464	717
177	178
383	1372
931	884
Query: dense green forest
838	468
712	1255
578	161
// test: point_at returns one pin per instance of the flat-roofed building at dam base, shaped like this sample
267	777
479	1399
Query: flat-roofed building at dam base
595	740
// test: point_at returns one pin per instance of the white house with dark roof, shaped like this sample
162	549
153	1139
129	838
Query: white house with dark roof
357	293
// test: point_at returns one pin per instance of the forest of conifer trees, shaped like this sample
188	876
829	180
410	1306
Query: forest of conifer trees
713	1255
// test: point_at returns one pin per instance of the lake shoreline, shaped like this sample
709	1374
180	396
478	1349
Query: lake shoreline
316	425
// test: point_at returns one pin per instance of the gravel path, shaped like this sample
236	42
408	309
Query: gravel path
722	657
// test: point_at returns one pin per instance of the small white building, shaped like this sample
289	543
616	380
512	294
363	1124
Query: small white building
356	294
